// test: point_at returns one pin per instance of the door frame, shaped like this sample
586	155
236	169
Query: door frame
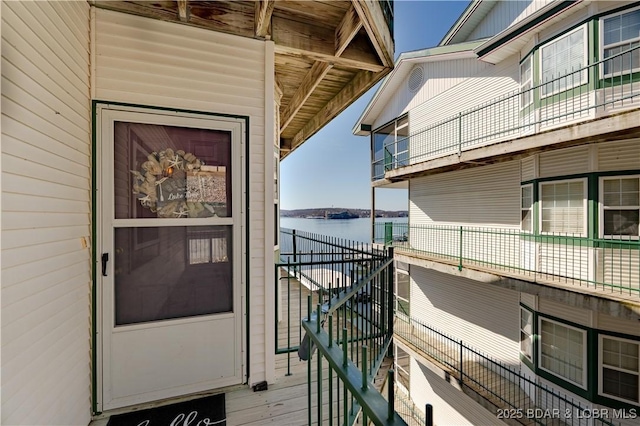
97	317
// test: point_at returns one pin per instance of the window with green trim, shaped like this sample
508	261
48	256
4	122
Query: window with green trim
526	333
526	208
560	61
620	369
403	303
620	33
563	351
620	206
526	81
563	207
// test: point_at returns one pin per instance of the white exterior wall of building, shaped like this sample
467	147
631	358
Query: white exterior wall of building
154	63
489	83
450	405
438	77
490	324
46	235
486	196
503	15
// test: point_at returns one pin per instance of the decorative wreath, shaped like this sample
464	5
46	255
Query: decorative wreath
177	184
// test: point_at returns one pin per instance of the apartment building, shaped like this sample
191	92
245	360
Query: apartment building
518	274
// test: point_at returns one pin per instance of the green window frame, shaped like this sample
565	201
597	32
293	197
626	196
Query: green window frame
563	207
619	369
562	351
620	32
561	59
620	207
526	333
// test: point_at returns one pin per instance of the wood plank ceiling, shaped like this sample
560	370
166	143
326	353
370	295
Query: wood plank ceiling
327	53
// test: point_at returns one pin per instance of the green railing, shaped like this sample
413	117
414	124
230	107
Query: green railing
514	394
347	289
603	86
608	265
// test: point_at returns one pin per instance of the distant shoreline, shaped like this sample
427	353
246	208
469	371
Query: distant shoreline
333	213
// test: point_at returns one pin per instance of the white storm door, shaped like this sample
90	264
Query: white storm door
169	259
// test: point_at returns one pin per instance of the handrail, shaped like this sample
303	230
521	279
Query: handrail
519	392
520	112
611	265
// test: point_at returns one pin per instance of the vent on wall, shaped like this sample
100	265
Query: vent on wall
415	79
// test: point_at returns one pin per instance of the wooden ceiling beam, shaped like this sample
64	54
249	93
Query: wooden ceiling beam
347	30
362	82
374	23
183	10
264	10
310	81
317	44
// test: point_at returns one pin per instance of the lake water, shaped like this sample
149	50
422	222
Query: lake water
351	229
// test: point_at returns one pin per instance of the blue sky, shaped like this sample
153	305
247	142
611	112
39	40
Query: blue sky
332	168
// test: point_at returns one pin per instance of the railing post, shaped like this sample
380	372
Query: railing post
391	397
390	298
364	368
459	134
388	233
460	257
428	415
295	251
461	380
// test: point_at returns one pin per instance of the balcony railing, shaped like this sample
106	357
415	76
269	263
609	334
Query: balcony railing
339	308
602	87
608	265
504	386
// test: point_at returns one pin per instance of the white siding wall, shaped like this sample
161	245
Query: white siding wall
623	155
149	62
450	405
438	78
488	84
482	196
46	238
490	324
503	15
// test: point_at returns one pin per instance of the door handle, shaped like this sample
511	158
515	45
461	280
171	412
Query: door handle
105	259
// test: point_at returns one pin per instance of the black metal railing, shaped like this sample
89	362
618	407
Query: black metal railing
609	265
502	385
606	86
334	299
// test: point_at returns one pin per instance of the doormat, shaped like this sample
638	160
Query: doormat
204	412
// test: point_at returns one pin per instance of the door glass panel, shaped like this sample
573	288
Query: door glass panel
172	272
171	172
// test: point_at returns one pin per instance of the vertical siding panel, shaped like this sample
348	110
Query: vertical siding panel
46	210
490	324
503	15
483	196
450	406
564	162
624	155
439	76
149	62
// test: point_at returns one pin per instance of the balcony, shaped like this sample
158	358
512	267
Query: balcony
607	268
504	388
600	90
